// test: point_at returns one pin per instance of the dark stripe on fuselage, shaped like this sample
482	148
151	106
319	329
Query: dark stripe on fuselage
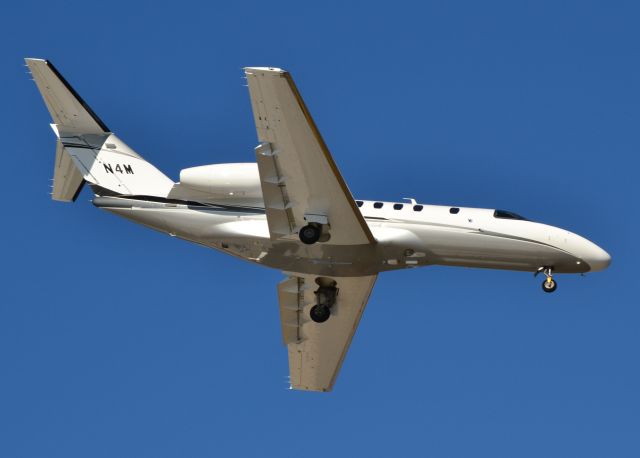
78	145
99	191
119	201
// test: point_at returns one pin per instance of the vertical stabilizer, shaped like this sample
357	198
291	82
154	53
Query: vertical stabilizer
67	179
87	150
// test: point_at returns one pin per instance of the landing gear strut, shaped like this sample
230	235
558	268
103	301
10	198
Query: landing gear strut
326	297
549	285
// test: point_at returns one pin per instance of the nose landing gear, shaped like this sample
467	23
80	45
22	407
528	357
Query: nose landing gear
549	285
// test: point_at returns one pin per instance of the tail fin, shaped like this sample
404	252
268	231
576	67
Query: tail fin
87	150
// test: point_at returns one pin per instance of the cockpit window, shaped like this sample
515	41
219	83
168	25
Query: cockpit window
359	202
397	206
377	205
508	215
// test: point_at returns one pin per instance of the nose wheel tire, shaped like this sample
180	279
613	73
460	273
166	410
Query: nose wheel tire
309	234
549	285
320	313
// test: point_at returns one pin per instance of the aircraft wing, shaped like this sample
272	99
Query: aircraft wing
300	181
316	350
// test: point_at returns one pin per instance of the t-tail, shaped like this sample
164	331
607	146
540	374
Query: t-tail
87	150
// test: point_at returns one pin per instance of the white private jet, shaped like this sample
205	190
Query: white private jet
292	210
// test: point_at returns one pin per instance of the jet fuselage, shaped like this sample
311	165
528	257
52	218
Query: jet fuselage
407	236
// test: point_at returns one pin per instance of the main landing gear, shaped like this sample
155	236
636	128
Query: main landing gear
310	234
320	313
549	285
326	297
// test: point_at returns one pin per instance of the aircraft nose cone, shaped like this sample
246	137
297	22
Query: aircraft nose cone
597	258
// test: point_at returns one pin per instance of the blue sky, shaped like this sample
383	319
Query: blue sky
119	341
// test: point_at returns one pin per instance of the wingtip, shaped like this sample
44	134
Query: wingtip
30	61
264	69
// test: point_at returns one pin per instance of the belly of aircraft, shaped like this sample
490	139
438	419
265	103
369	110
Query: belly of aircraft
476	248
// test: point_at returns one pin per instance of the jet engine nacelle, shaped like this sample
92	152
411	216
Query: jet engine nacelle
239	183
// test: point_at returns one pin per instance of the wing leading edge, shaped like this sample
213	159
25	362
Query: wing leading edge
300	180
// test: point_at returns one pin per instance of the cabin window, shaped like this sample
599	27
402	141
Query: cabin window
503	214
417	208
377	205
454	210
397	206
359	203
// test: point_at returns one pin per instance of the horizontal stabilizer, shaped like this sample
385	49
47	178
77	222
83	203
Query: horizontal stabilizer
69	112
